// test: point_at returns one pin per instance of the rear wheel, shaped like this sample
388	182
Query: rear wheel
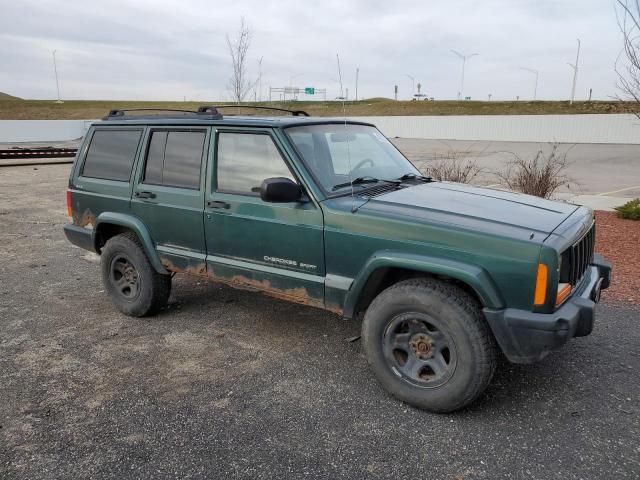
132	283
429	344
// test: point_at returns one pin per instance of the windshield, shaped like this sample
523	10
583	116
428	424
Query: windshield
337	154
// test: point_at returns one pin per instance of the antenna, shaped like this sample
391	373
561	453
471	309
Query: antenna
344	115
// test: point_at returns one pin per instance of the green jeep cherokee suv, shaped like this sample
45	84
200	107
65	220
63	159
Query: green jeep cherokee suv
328	213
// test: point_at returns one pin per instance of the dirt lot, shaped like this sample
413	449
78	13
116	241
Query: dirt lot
229	384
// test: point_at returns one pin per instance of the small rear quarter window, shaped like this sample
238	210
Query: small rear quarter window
111	154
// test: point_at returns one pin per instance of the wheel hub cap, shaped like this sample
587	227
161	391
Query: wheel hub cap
421	345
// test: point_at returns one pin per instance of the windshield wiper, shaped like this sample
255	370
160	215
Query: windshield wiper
413	176
356	181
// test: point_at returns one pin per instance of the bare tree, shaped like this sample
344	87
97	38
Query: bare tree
239	84
628	16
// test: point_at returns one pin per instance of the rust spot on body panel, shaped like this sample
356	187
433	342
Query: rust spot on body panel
84	219
298	295
198	269
295	295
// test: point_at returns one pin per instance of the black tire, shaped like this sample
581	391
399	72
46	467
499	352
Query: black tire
429	345
130	280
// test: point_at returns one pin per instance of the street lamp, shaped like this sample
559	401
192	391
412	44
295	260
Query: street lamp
357	75
464	61
575	74
260	79
55	70
413	80
536	73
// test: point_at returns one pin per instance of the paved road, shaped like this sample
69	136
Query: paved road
229	384
595	168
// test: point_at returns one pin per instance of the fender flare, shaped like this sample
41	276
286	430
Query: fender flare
472	275
135	225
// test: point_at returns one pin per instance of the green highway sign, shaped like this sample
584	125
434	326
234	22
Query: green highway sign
309	90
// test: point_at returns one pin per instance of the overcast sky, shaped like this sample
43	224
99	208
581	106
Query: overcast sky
167	50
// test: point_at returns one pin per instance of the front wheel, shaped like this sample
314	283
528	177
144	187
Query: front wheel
429	345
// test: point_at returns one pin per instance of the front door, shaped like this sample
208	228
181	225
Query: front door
169	195
274	247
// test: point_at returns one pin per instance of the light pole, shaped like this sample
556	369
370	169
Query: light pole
464	61
536	73
55	70
260	79
357	74
413	85
575	73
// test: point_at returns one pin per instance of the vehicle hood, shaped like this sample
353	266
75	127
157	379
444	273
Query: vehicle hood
472	207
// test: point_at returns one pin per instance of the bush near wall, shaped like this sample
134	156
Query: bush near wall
630	210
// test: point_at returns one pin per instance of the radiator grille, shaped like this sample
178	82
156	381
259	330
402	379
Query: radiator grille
578	257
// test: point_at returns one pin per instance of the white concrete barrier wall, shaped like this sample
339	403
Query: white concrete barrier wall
17	131
514	128
509	128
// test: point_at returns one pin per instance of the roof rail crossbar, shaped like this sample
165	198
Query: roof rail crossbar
209	112
295	113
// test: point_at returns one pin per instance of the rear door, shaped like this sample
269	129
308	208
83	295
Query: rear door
274	247
168	195
103	172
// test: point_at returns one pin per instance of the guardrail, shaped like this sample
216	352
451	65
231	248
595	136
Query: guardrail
28	153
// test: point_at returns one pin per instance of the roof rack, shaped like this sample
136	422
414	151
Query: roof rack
204	112
295	113
207	112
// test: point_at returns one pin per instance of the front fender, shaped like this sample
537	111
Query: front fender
472	275
135	225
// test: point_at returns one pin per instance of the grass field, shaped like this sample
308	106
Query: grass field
16	109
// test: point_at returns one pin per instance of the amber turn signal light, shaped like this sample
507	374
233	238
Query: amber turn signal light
564	290
540	292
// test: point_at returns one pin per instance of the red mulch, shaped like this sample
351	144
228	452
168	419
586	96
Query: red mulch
619	241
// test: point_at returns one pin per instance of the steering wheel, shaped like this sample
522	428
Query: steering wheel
362	164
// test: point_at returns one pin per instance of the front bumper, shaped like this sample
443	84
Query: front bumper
526	337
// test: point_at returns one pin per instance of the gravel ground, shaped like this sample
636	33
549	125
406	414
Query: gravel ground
229	384
619	241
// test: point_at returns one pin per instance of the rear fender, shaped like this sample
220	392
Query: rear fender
134	224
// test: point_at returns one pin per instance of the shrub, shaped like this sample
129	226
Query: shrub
630	210
453	167
540	176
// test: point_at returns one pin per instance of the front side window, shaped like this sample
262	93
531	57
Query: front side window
174	158
244	160
339	153
111	154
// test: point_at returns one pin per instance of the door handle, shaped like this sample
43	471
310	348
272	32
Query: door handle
144	195
217	204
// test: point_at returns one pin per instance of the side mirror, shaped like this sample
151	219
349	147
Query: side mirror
280	190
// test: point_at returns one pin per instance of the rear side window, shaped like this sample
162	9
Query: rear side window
111	154
174	159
